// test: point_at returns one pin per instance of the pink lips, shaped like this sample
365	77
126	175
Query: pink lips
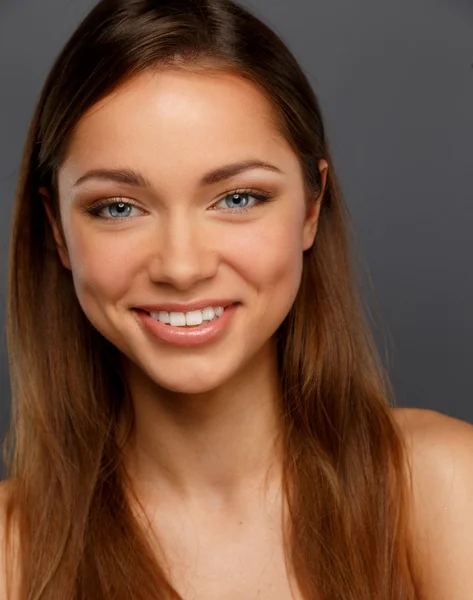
188	336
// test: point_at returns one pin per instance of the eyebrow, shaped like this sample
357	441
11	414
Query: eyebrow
134	178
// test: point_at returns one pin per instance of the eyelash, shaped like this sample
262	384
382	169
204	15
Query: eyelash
259	196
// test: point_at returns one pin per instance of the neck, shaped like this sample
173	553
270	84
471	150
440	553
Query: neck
207	448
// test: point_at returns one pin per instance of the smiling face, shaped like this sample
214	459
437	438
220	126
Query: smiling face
189	219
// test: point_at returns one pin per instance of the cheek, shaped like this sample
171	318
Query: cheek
102	266
269	255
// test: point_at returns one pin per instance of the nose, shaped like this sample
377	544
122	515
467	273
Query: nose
185	254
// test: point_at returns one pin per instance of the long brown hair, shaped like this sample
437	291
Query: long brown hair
344	466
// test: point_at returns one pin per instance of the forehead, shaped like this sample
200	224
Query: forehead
172	117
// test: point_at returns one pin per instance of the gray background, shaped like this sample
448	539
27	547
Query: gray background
395	81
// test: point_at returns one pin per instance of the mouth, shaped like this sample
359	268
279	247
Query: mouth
191	328
192	318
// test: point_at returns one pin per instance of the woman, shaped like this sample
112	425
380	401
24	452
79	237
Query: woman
198	411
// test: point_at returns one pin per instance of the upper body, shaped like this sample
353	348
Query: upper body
441	547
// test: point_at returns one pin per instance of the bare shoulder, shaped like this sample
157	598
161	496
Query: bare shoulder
5	493
440	452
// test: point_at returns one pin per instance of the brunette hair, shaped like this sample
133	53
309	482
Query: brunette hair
345	464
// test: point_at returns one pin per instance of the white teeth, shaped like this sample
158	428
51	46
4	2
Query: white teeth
177	319
190	319
194	317
208	314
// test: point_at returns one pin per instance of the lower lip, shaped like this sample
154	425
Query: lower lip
206	333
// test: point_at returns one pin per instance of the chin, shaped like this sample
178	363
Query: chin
190	386
180	382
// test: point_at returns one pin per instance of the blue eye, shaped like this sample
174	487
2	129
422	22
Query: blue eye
116	209
238	201
121	209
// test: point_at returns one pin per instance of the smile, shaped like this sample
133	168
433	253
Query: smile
192	318
192	328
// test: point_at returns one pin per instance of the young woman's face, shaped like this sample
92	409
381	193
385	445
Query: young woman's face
164	201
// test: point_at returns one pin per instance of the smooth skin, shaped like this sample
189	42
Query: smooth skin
204	454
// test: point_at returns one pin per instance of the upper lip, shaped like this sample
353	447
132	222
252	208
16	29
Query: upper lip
186	306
